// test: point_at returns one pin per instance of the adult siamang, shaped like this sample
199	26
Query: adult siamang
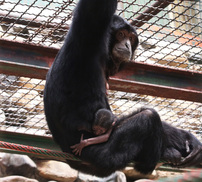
75	90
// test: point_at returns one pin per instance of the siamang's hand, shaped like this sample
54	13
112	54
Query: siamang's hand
77	148
194	158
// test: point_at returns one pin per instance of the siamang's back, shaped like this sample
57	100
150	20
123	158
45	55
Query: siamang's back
75	84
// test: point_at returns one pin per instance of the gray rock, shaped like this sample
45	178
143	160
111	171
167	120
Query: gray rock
147	45
21	30
195	58
14	164
15	115
115	177
29	99
17	179
8	82
2	116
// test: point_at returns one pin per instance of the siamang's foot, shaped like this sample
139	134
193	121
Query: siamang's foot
193	159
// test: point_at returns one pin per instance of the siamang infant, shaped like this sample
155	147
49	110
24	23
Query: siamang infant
102	128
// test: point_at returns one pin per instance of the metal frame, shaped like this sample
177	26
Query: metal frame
135	77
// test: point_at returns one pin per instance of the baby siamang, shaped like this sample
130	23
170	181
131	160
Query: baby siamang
134	138
75	90
101	128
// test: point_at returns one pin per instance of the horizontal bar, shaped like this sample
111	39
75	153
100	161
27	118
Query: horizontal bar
47	143
26	53
27	139
158	81
155	90
20	69
135	77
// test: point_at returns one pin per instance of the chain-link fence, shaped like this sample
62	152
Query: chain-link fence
171	38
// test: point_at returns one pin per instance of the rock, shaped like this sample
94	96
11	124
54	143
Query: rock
21	30
36	121
2	116
15	116
115	177
14	164
133	174
173	61
4	100
37	84
54	170
29	99
194	58
8	82
147	44
17	179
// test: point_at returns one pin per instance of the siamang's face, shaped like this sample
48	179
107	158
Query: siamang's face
98	130
123	47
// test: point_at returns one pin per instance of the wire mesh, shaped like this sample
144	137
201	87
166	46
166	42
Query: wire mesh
171	38
22	107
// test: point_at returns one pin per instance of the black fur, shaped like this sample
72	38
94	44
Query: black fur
75	90
180	144
135	138
75	84
118	23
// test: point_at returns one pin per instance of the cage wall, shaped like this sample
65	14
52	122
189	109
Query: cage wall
171	38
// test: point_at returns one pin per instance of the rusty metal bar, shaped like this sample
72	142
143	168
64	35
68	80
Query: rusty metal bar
155	90
135	77
26	53
158	81
19	69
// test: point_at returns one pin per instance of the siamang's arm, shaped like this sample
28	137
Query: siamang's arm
77	149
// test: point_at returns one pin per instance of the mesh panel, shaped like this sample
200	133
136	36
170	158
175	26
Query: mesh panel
171	38
22	107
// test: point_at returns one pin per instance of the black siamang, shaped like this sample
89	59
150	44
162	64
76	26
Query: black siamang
122	45
75	90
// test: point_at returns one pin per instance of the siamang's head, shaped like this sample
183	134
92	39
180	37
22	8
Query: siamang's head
123	40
